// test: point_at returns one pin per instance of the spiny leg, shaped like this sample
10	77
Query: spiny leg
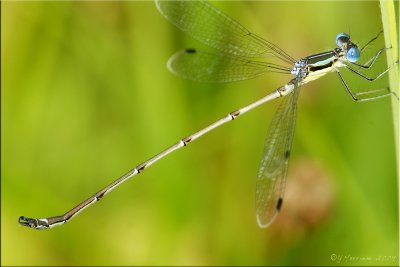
372	60
366	95
366	77
372	40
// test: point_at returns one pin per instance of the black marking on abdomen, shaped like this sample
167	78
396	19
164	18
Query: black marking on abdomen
279	204
186	140
140	168
99	196
235	114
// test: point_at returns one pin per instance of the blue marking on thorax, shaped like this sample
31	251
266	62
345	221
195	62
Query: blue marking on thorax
324	62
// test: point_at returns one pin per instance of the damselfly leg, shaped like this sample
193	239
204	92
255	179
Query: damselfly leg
368	64
367	95
373	59
371	41
366	77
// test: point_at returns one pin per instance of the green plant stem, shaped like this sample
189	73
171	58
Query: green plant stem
391	40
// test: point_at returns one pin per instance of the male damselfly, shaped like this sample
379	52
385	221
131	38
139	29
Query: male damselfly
238	55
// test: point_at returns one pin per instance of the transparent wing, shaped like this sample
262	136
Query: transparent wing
210	26
204	66
272	173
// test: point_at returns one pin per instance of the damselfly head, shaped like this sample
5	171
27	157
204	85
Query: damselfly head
349	48
353	53
342	39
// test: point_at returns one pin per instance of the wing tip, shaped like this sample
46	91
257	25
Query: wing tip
157	2
263	225
260	220
172	59
158	5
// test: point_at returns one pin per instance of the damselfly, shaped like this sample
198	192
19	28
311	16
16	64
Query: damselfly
238	55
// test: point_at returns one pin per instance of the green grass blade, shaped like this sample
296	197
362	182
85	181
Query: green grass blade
391	40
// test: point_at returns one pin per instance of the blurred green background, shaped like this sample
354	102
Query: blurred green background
86	96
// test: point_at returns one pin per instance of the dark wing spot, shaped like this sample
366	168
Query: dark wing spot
287	154
190	50
279	204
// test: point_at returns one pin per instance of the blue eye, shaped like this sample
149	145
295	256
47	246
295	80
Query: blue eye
342	38
353	54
